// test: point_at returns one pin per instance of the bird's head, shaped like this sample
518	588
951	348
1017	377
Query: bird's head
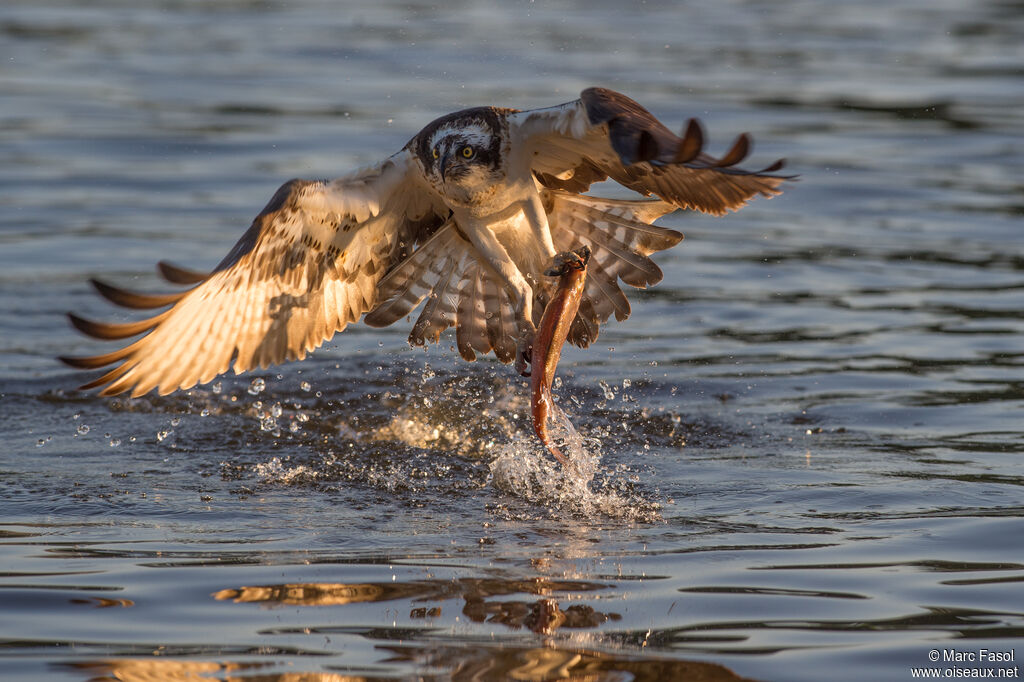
462	154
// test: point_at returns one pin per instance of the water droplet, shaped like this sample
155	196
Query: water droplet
114	442
83	429
626	383
256	386
609	394
175	421
275	410
305	386
41	442
205	412
162	435
216	388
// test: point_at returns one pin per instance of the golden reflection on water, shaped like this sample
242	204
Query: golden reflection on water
165	670
463	664
311	594
544	615
104	602
139	670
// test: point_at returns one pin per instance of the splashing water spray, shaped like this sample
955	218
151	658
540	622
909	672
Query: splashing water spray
536	478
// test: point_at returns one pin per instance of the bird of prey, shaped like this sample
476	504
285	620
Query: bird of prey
467	216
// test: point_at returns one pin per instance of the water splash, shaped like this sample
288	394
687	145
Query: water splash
420	432
524	468
278	471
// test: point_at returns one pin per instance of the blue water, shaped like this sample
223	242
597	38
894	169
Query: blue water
810	433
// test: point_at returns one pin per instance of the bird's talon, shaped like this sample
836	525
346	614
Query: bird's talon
524	354
524	357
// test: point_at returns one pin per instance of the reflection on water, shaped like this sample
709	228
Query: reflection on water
609	611
542	616
156	670
460	664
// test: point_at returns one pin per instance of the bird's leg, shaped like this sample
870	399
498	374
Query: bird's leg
537	218
491	250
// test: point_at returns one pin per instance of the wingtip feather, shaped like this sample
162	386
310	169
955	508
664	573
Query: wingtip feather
111	331
132	299
178	275
740	150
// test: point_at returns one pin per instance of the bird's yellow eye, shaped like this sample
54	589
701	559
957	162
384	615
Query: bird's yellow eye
436	153
467	152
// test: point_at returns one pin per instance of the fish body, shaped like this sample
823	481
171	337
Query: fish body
571	269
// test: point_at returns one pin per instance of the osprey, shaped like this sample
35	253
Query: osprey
468	215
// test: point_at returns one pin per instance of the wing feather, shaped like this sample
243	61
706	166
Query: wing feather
178	275
606	134
307	266
471	332
460	290
438	313
620	244
402	289
132	299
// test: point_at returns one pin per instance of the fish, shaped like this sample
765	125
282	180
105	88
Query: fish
571	269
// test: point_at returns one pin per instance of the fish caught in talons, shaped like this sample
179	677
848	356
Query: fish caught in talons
571	269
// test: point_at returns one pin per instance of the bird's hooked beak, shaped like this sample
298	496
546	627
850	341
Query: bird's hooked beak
443	165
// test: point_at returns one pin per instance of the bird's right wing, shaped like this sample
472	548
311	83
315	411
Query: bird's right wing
307	266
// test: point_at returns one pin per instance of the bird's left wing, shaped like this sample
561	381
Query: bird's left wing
307	266
606	134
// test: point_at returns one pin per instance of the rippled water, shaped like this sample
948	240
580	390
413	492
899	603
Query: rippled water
810	434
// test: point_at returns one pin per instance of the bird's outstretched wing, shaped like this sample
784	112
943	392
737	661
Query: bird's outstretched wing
307	266
606	134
